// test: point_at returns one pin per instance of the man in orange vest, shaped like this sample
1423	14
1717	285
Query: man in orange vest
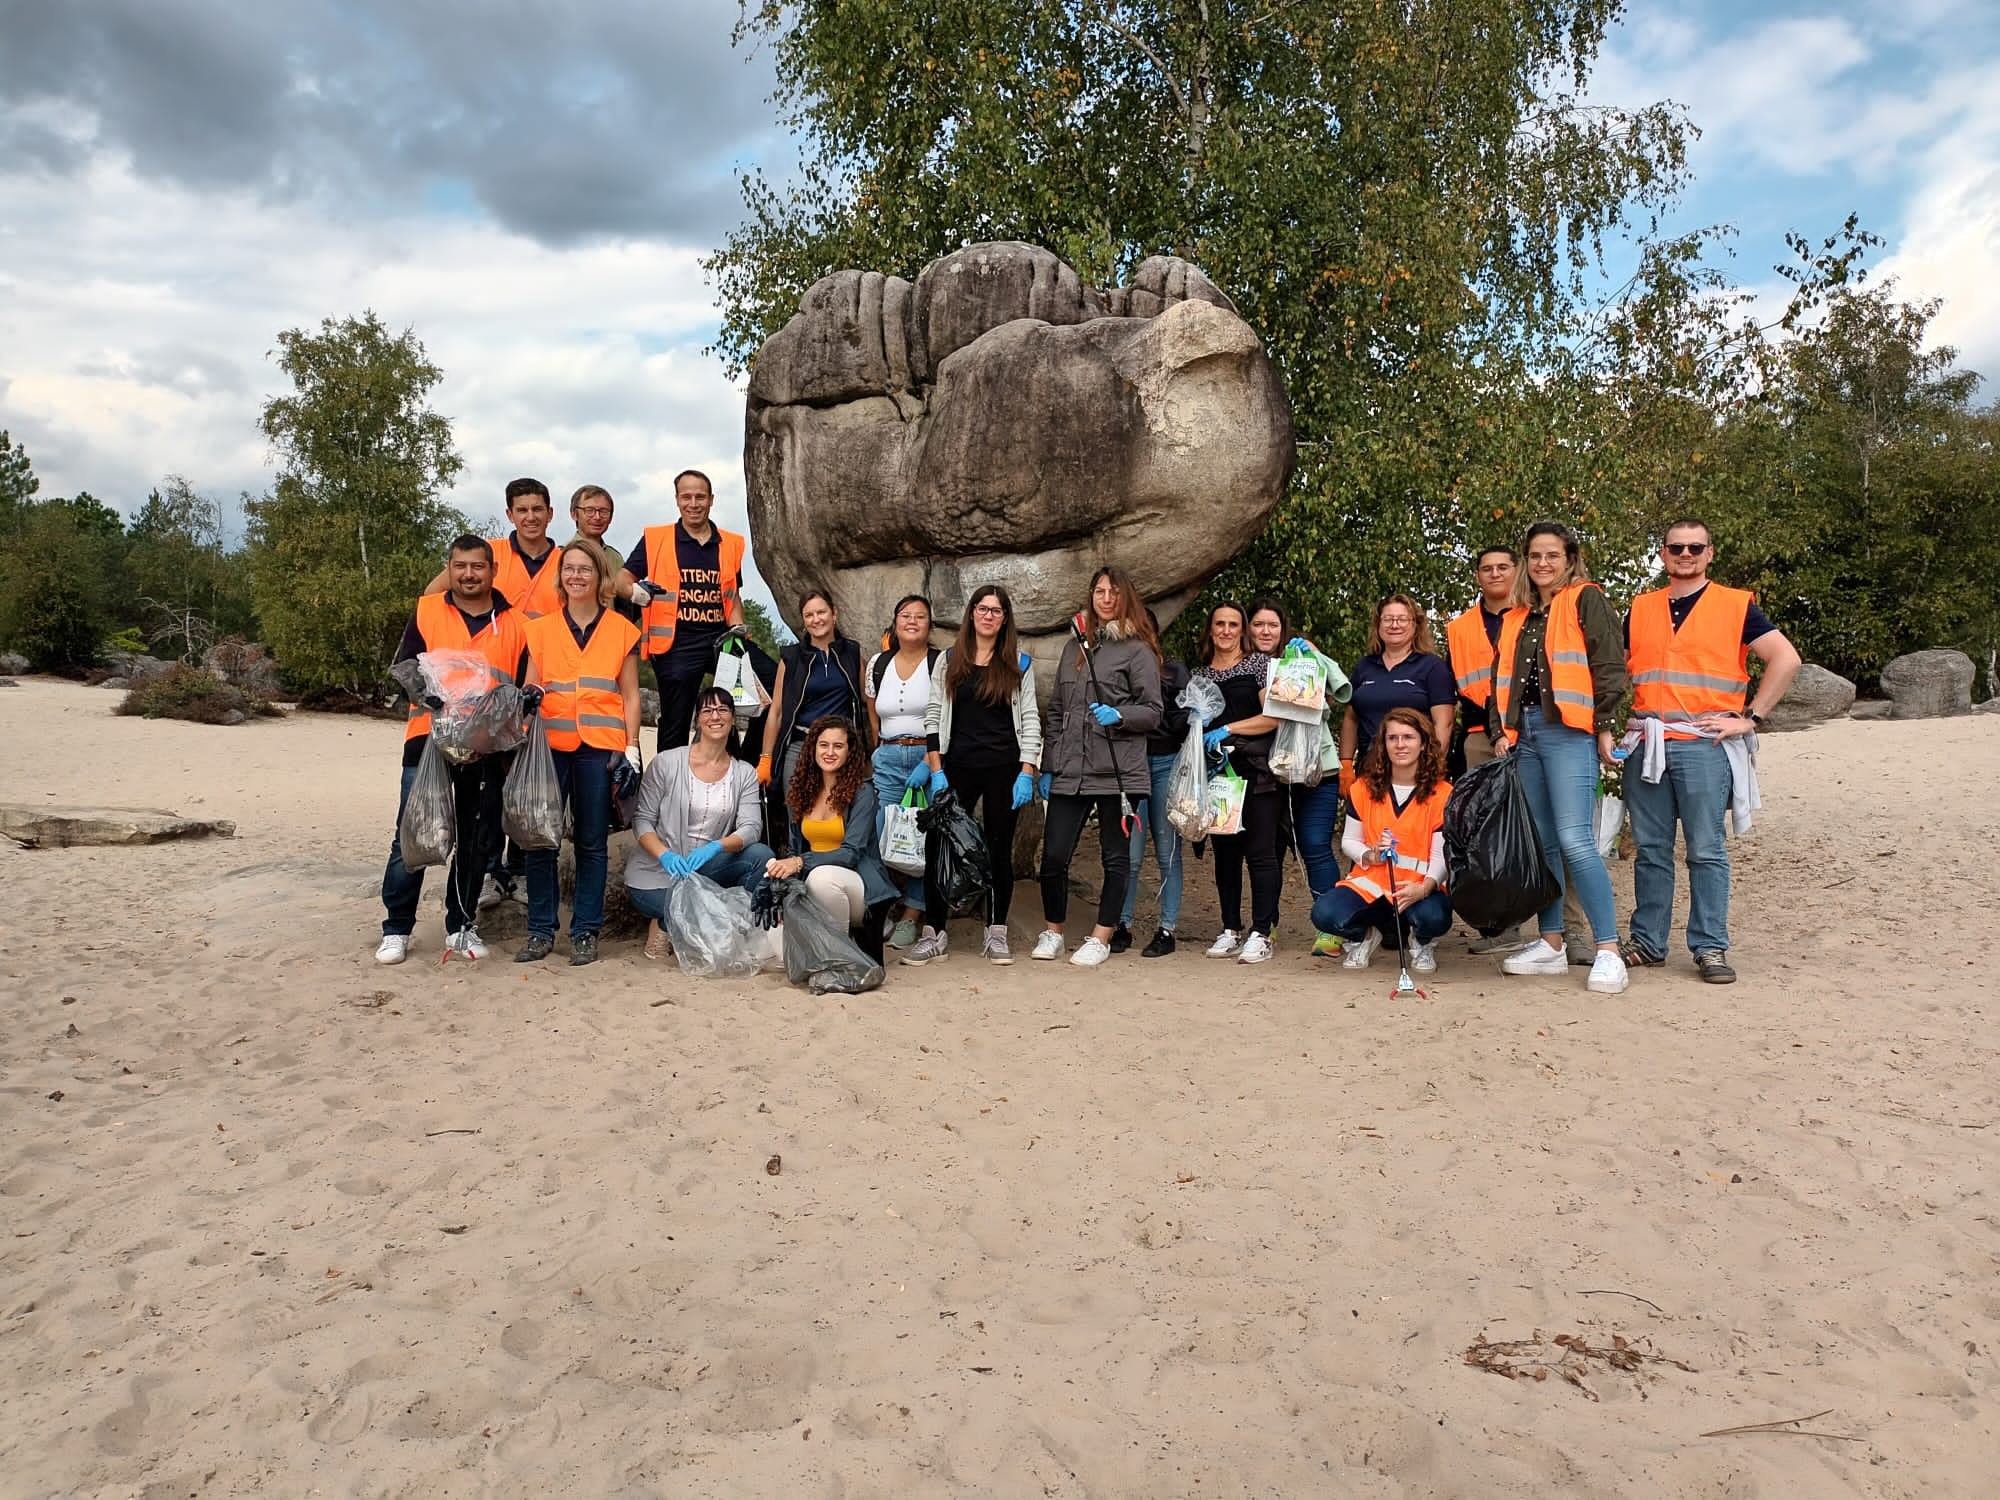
1688	648
687	580
522	559
472	617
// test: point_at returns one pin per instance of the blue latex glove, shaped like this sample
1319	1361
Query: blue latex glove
919	775
939	786
1024	790
1298	643
675	865
1215	737
1042	784
703	855
1105	714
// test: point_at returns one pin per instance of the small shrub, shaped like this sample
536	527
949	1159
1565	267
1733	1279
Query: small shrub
184	692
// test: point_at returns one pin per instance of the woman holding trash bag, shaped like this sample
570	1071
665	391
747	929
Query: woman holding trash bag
983	742
1314	811
583	657
831	799
1394	838
700	809
1558	678
818	677
1163	747
898	688
1105	704
1399	668
1246	731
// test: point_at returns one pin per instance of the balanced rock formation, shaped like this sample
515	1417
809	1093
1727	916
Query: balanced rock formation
1815	694
998	421
1929	684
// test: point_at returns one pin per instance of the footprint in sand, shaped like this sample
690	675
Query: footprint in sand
124	1431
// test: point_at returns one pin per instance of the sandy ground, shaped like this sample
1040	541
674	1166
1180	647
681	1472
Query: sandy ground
280	1222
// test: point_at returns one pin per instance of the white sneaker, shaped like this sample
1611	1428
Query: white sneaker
1358	954
1226	946
491	894
1049	947
1256	948
395	947
1424	959
1607	974
1537	958
1089	956
466	941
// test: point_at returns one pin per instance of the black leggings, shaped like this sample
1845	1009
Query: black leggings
1059	839
1261	845
991	791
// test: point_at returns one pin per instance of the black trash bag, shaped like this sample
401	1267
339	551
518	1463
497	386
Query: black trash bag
625	780
956	847
1494	870
819	953
531	807
429	827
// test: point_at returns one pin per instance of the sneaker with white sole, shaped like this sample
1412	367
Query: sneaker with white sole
1049	947
394	948
1508	940
903	934
1537	958
1256	948
491	894
1607	974
1327	945
1226	946
926	949
466	941
995	950
1358	954
1423	958
1089	956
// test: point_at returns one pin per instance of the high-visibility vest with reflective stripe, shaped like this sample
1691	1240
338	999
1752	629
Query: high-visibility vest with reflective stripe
443	629
1415	827
533	597
1568	685
1471	656
581	704
663	567
1702	668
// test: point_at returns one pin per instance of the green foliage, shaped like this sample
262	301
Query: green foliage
353	528
764	629
52	604
18	483
185	692
193	591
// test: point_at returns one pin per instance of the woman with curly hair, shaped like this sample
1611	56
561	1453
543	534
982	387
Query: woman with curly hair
1395	838
831	797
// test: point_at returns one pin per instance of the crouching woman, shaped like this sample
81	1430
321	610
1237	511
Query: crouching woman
1395	839
831	798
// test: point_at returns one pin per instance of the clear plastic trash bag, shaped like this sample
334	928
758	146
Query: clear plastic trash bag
1187	788
714	934
1295	752
429	827
819	953
531	806
482	713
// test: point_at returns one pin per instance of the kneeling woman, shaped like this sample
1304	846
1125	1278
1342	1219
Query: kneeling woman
1395	839
832	801
699	809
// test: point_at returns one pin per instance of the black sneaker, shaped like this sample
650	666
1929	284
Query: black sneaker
534	950
582	950
1714	966
1161	945
1121	939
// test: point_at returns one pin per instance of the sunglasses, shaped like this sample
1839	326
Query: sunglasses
1687	549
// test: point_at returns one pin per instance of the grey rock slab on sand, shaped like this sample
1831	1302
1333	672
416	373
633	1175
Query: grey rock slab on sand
1929	684
54	827
1872	708
1815	694
998	421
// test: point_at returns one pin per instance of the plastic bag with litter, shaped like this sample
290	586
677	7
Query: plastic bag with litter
531	809
714	934
819	953
958	846
1295	752
482	713
1187	787
902	837
429	827
1494	868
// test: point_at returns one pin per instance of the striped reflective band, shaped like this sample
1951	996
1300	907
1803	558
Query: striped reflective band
1477	675
598	721
1692	679
1568	659
1574	700
553	686
601	684
559	726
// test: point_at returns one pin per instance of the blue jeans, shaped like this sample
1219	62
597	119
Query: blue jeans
893	764
1559	773
584	776
1166	847
475	791
744	868
1316	828
1695	790
1347	913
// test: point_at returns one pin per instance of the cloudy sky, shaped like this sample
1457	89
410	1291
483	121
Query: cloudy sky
531	187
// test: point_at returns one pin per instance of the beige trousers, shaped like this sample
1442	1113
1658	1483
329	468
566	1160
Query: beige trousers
839	893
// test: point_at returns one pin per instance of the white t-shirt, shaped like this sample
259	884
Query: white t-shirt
900	705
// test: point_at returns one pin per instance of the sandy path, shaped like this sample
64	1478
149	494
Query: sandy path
1179	1229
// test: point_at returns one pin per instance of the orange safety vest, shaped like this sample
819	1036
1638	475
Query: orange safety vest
1702	668
443	629
1415	827
1471	656
663	614
1568	686
581	703
533	597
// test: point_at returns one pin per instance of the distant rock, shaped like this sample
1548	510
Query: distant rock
51	827
13	664
135	667
649	706
1929	684
245	665
1872	708
6	682
1815	694
123	684
1990	706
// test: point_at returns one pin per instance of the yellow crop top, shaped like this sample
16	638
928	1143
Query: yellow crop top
823	835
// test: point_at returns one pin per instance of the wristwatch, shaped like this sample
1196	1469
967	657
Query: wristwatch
1754	717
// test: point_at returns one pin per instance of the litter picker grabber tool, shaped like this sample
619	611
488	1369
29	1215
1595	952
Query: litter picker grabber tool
1404	984
1126	817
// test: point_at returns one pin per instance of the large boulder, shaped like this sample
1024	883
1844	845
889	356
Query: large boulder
998	421
135	667
13	664
1815	694
245	665
1929	684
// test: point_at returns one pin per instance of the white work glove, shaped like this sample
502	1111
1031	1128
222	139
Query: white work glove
642	592
632	755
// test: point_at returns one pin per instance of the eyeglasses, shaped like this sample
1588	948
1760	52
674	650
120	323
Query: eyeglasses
1687	549
988	609
708	709
595	514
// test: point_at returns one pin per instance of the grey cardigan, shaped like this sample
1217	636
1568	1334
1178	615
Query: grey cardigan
1085	759
663	806
1027	717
